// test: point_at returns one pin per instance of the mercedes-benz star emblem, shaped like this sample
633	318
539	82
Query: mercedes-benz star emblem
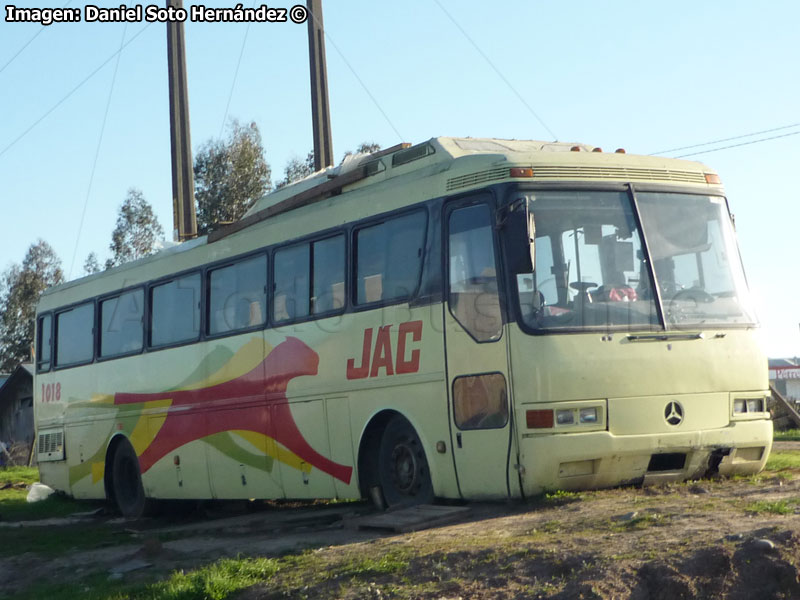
673	413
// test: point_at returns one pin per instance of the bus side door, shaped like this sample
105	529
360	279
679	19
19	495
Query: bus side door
477	361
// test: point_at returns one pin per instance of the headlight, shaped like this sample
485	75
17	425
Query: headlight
565	417
589	415
755	405
739	405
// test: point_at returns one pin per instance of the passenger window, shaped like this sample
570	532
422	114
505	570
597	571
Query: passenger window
175	312
328	289
75	335
291	299
121	324
43	342
479	401
237	296
389	258
474	299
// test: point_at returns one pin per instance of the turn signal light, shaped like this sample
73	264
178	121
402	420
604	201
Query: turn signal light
521	172
712	178
539	419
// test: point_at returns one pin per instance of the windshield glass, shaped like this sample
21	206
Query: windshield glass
695	258
590	269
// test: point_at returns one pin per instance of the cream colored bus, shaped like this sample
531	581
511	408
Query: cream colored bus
463	318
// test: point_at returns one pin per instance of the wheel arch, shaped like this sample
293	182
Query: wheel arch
368	446
369	443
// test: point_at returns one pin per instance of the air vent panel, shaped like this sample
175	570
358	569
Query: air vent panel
51	445
618	173
462	181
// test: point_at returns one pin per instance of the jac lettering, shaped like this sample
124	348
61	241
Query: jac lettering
380	358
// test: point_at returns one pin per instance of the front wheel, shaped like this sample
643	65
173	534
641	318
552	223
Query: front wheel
127	482
402	467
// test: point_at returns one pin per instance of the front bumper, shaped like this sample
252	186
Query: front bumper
600	459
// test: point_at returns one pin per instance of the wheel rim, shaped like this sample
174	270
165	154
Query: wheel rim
405	468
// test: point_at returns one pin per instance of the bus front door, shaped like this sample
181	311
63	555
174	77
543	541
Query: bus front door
477	361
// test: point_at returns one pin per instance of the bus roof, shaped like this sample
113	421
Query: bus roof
430	169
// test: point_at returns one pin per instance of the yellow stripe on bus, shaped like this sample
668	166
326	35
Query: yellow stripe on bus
270	447
148	426
246	358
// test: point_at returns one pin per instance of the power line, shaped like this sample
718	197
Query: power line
775	137
737	137
28	43
496	70
97	151
72	91
235	75
363	85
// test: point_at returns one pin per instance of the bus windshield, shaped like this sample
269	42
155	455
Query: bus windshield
592	271
695	259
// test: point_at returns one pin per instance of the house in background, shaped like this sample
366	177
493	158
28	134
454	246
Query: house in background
784	376
16	406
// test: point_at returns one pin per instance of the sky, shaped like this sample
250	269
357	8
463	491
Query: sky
81	123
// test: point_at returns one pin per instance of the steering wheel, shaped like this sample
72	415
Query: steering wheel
582	286
676	311
696	294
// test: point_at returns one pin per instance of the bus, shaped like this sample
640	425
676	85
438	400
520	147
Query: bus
459	319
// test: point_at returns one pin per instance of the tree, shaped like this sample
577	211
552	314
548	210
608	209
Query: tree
91	265
364	148
298	169
138	232
229	176
22	285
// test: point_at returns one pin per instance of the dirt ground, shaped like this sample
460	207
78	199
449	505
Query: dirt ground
737	539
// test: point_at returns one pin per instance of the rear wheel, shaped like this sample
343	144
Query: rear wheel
127	482
402	467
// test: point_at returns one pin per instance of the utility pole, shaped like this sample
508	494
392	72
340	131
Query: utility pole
320	111
184	215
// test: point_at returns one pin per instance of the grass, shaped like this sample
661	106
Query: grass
789	435
20	475
387	564
776	507
779	461
214	582
560	497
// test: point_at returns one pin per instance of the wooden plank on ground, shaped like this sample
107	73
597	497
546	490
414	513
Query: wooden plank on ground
413	518
789	409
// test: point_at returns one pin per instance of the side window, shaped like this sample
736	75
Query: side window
43	342
75	335
474	299
237	296
291	298
327	293
122	324
479	401
389	258
175	311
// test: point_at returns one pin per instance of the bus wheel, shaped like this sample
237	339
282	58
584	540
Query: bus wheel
127	482
402	468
